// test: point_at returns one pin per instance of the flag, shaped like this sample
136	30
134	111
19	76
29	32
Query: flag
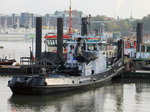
31	55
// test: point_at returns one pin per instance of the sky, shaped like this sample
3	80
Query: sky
111	8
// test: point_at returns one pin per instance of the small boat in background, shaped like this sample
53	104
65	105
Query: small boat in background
54	36
7	61
1	47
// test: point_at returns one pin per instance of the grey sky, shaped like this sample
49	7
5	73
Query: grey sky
112	8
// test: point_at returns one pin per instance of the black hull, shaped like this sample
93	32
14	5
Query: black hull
99	80
55	89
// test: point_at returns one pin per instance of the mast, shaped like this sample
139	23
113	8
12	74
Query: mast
5	23
70	20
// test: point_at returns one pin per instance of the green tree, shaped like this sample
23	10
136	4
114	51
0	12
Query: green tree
146	23
112	24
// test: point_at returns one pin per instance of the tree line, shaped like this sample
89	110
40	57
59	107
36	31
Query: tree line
129	24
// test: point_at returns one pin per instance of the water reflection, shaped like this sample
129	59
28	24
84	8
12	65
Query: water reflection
136	95
108	98
121	96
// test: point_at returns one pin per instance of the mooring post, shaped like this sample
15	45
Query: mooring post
122	52
38	37
120	49
84	27
60	37
90	23
139	34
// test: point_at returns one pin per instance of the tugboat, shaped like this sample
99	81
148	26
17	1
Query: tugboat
87	64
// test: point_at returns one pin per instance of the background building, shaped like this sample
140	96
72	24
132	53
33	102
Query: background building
28	20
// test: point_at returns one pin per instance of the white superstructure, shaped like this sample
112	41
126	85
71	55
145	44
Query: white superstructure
87	55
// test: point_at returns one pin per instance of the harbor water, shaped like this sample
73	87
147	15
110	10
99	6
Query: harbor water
17	47
119	96
116	97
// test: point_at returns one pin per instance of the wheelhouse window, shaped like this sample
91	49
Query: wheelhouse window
52	43
148	48
91	47
142	48
103	47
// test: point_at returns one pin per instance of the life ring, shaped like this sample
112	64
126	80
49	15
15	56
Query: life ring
127	45
135	44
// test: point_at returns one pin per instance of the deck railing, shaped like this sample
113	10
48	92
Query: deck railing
25	61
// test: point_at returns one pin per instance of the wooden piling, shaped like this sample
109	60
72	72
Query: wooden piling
38	37
84	27
139	34
60	36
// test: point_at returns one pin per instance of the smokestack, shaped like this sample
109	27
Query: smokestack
60	36
38	37
84	27
139	33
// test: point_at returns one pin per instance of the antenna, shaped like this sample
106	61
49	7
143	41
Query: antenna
70	19
131	17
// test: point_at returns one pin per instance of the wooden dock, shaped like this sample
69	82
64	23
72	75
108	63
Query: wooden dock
138	74
9	69
142	72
